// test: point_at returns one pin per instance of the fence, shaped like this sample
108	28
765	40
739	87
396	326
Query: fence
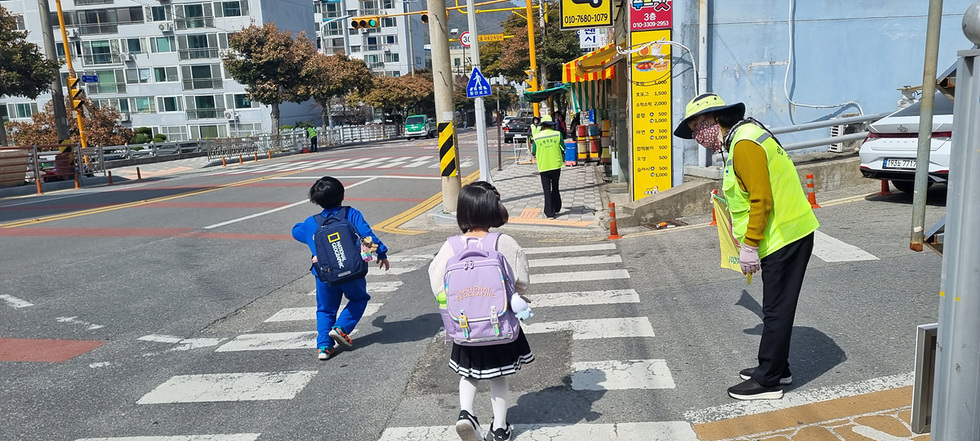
39	164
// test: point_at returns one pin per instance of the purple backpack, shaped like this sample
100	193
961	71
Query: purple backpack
478	287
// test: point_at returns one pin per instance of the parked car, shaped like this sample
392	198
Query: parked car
889	152
517	127
417	126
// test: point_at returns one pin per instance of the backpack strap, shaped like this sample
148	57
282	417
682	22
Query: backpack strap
490	241
320	219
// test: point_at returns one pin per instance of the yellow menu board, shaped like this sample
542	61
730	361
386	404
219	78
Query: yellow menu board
650	107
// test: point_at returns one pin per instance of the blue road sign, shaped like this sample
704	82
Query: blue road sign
478	85
90	78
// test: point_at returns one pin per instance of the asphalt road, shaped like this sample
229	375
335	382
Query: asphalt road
187	305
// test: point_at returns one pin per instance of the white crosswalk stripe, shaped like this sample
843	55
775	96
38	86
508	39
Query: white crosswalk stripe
245	386
217	437
594	329
647	431
384	162
829	249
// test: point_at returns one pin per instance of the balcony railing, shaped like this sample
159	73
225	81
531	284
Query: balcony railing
96	59
93	2
98	28
202	83
100	87
206	113
199	53
194	23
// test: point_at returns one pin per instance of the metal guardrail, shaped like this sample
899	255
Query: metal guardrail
857	136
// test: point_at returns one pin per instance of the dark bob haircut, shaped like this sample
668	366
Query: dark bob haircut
327	192
479	206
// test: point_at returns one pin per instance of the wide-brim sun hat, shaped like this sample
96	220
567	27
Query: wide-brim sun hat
706	103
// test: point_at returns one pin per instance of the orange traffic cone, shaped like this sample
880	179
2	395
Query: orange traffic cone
714	220
613	231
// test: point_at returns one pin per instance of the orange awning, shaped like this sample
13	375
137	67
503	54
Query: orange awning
595	65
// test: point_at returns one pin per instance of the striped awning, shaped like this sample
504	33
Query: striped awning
593	66
589	95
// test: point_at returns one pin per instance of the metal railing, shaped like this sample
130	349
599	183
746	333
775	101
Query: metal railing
853	120
40	164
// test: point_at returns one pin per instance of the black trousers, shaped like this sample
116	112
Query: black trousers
782	279
313	144
552	200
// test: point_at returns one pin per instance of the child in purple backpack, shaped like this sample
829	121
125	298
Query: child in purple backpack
478	209
328	193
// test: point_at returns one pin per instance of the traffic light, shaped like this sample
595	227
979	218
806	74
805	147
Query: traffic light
365	22
75	92
425	18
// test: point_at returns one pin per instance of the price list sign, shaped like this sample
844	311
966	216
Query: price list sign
651	113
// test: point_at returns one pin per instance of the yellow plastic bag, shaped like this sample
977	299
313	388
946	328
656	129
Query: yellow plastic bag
729	245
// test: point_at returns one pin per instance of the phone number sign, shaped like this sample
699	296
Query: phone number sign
647	15
578	14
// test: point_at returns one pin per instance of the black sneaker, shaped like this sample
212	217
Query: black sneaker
746	374
750	390
504	434
468	427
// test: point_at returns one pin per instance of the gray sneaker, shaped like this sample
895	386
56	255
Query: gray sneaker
468	427
746	374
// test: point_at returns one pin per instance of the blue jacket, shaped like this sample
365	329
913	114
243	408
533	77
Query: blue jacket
303	231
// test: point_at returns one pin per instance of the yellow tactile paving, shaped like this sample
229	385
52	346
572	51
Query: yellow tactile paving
849	418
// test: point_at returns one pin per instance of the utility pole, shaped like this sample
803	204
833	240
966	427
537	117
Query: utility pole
925	124
50	50
957	381
542	4
442	81
481	112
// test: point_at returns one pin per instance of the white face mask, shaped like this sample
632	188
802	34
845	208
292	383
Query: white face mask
708	134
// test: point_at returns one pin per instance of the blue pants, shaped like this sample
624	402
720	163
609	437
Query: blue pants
328	302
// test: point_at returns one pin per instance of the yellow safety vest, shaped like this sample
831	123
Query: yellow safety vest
548	150
792	216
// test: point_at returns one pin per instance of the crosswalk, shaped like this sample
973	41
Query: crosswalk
357	163
558	273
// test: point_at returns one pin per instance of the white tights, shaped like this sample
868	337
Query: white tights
498	398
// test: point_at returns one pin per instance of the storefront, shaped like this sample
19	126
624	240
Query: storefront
590	81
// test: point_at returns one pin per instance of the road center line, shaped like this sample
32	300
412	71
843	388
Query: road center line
285	207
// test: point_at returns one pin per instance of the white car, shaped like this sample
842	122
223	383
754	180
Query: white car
889	152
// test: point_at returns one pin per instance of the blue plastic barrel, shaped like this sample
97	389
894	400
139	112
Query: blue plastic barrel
571	153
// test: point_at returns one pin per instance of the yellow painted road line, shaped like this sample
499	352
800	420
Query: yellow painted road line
391	225
846	200
99	210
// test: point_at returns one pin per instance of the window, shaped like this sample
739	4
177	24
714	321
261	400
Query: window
228	9
391	58
98	52
20	23
239	130
133	45
354	49
329	9
241	101
175	133
372	44
163	44
169	104
196	16
202	76
209	132
202	107
390	39
22	110
165	74
388	4
334	28
121	105
160	13
138	76
198	47
388	22
110	81
144	104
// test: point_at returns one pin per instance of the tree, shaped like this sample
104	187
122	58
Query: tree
270	65
398	93
24	71
101	127
328	77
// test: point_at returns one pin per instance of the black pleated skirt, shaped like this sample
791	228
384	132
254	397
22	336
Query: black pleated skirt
483	362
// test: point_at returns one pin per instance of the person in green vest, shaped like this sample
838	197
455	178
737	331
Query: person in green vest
548	147
311	132
772	220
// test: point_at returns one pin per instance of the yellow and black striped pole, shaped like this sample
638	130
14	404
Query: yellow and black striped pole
449	166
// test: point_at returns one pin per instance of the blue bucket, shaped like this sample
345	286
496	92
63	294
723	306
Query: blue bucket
571	153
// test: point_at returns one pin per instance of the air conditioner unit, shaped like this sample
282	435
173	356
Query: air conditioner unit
127	57
836	131
224	53
386	48
124	117
167	26
231	115
71	32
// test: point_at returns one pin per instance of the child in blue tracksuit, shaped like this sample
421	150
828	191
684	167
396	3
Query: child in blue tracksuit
328	193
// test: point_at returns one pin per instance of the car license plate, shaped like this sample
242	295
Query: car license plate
899	163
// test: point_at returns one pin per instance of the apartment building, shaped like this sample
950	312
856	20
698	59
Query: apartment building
395	47
158	62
